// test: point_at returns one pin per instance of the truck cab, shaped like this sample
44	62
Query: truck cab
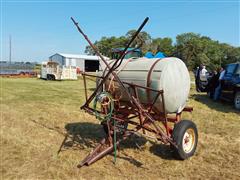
130	53
231	84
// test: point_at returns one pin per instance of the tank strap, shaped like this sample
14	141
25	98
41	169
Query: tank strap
149	81
118	71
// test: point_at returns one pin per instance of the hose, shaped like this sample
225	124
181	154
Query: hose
105	96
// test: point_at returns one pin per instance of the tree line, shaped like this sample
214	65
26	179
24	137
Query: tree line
192	48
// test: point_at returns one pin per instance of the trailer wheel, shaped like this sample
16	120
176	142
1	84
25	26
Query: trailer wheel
237	100
50	77
185	136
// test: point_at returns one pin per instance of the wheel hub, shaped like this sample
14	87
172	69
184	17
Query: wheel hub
238	100
188	140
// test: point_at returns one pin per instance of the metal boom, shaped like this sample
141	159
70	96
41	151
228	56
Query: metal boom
111	69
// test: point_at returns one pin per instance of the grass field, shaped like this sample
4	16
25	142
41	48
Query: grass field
34	114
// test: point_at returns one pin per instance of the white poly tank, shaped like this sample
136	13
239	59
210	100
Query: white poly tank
168	74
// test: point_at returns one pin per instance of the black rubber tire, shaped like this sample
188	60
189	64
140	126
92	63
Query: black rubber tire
50	77
237	100
178	134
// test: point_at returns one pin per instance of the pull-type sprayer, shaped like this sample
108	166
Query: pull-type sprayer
180	134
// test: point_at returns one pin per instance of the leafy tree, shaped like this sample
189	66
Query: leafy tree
230	54
162	44
192	48
106	44
143	40
187	48
195	50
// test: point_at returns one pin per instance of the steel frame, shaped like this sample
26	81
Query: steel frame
145	113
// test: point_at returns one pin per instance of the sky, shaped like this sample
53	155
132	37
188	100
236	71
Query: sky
42	28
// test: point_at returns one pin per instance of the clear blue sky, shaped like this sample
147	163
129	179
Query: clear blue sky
42	28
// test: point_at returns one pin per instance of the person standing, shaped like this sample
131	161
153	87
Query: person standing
203	79
217	92
213	83
197	78
203	74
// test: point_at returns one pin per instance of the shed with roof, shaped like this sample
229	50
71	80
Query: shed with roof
84	63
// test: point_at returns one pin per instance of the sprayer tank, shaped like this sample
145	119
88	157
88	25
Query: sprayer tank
168	74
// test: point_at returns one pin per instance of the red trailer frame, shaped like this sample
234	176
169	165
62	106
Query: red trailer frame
167	128
145	113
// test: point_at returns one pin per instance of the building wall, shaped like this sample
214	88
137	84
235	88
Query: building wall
80	63
70	62
77	62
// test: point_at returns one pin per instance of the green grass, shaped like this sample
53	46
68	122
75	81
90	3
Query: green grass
34	114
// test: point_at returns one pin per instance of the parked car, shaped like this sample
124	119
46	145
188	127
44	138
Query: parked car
231	84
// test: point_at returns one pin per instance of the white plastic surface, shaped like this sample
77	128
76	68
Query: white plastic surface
169	74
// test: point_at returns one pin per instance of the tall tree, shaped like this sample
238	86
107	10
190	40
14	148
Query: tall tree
143	40
187	47
162	44
106	44
192	48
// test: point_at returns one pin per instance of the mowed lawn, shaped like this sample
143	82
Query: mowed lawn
34	114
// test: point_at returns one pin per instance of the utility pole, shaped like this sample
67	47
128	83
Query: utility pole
10	49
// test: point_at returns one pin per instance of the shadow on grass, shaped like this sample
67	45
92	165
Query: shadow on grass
91	89
83	134
86	134
160	150
131	160
134	142
220	105
163	151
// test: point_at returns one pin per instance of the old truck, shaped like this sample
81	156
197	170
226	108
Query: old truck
231	84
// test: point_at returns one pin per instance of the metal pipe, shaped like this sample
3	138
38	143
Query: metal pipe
90	156
85	86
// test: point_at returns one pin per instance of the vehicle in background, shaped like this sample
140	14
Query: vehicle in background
131	53
53	71
231	84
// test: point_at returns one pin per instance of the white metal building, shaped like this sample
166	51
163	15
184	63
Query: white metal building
83	62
